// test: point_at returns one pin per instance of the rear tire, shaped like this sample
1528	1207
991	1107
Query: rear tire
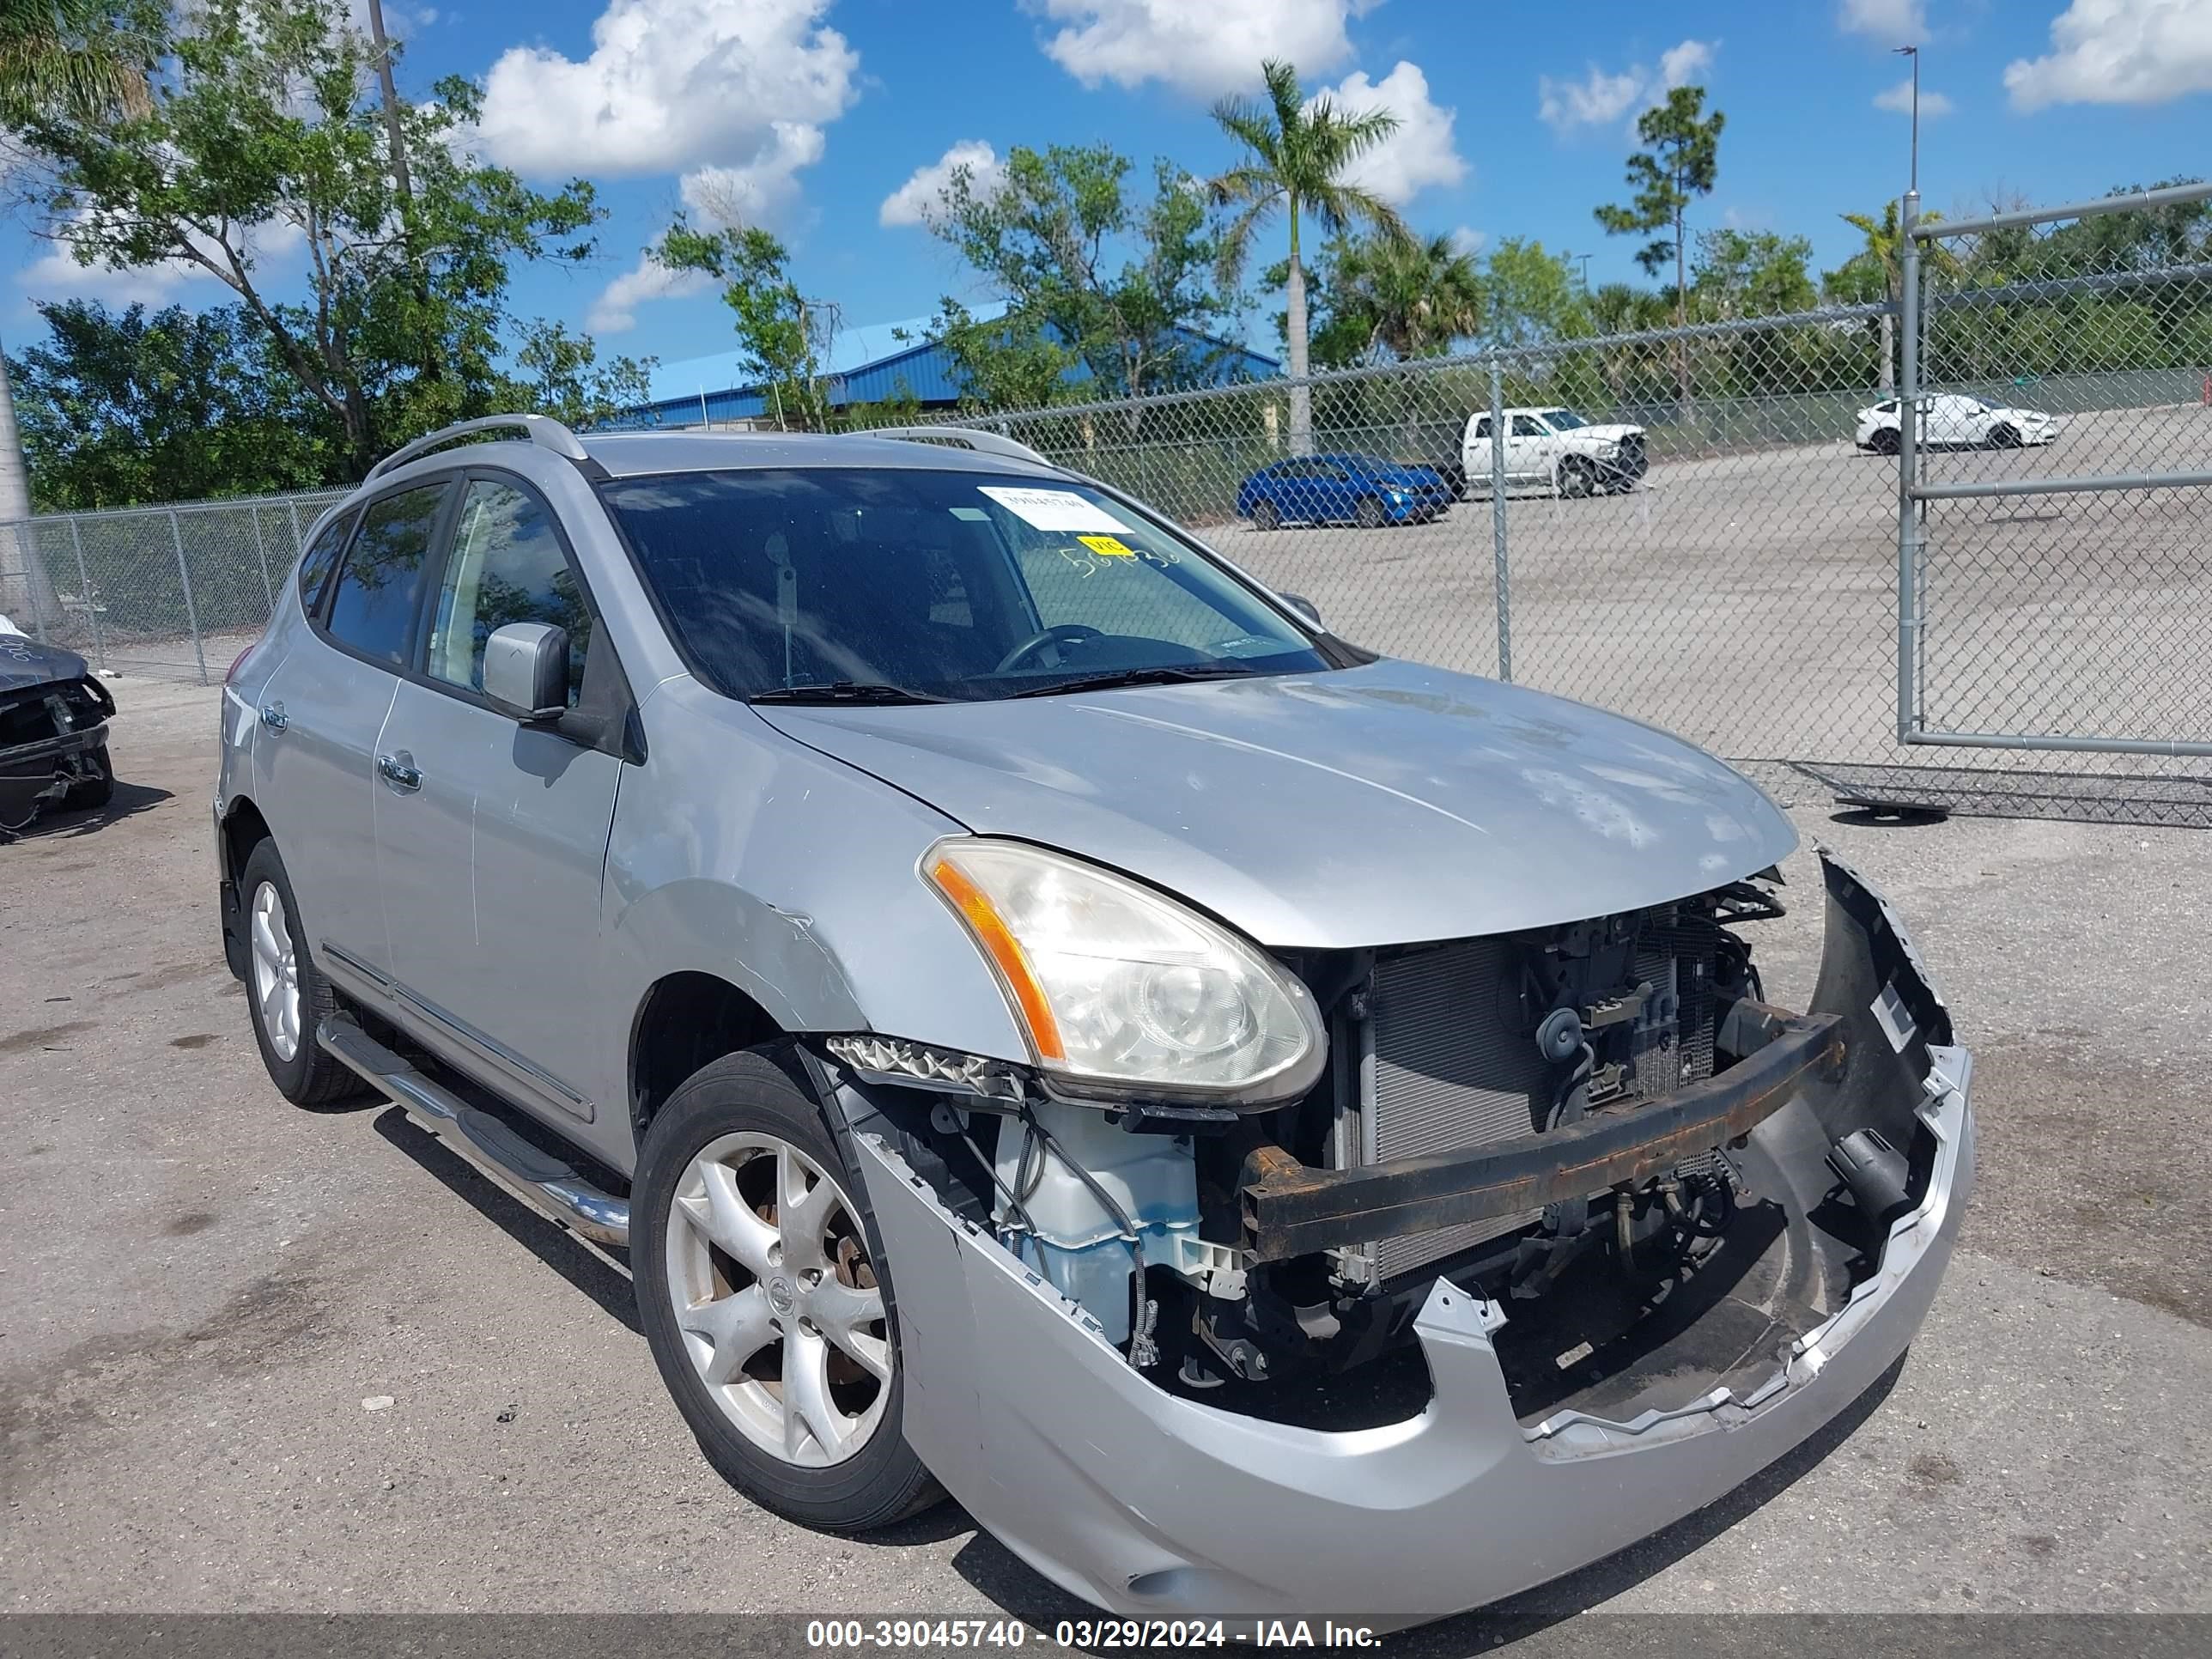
286	995
1368	515
1885	441
1265	515
739	1127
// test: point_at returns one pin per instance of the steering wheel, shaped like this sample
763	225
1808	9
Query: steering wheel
1066	634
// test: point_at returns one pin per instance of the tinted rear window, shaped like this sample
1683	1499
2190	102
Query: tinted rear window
374	609
322	553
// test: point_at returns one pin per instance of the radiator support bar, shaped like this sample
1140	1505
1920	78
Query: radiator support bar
1293	1209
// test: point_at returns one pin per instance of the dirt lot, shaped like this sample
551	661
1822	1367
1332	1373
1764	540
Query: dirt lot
203	1285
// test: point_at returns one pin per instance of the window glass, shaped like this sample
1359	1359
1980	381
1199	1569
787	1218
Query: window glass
374	609
1565	420
1528	426
322	553
940	584
1482	427
506	567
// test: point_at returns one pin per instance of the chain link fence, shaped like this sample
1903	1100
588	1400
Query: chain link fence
1729	530
2057	596
167	593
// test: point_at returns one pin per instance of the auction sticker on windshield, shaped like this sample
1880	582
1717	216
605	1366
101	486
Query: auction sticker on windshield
1052	509
1108	547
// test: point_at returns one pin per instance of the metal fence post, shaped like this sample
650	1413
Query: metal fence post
261	549
84	586
191	614
1908	458
1498	519
292	507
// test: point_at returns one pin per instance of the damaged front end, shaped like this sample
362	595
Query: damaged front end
53	732
1576	1233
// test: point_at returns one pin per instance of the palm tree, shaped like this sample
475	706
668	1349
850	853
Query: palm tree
1413	297
1296	154
1884	254
64	58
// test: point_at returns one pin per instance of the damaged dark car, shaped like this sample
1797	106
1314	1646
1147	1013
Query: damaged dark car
53	733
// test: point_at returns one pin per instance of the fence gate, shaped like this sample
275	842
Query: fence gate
2055	489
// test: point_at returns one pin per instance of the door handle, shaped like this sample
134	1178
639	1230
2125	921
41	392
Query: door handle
274	717
399	770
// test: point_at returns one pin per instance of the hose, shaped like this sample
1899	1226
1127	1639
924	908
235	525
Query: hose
1143	1312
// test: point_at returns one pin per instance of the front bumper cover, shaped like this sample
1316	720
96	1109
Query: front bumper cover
1147	1503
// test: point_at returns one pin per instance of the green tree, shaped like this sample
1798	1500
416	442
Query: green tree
1530	295
121	409
69	60
1092	272
562	376
783	337
260	130
1296	155
1877	273
1679	162
1381	297
1757	273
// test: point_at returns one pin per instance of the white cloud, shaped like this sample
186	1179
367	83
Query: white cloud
912	202
1899	98
1468	241
760	190
1598	97
1200	47
1419	153
615	311
1892	22
734	93
1591	101
2118	51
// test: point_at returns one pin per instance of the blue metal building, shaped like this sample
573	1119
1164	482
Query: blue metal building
871	364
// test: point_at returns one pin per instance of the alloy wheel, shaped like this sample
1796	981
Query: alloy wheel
777	1301
276	971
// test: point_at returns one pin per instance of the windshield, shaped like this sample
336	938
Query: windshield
1565	420
841	583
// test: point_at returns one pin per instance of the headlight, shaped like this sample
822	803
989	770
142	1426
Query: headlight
1117	986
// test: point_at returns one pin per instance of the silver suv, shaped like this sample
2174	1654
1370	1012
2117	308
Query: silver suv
1268	1127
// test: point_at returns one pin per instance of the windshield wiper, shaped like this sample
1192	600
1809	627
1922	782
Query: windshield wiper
1166	675
844	692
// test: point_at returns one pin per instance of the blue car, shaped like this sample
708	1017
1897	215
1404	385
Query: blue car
1358	489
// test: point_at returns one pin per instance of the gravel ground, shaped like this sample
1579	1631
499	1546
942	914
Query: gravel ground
204	1286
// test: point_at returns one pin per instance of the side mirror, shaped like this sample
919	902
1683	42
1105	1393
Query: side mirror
526	671
1304	606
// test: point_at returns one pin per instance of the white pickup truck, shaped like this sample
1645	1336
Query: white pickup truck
1568	453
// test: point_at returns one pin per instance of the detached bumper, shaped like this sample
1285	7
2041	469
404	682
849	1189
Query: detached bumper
1148	1504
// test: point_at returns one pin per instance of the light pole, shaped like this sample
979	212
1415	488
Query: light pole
1913	52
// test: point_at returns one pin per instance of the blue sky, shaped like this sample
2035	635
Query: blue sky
812	116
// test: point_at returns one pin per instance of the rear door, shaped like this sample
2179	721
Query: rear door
493	838
322	713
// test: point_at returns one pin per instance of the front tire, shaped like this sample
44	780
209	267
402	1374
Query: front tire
286	995
1368	515
88	797
2004	437
1885	441
763	1290
1578	479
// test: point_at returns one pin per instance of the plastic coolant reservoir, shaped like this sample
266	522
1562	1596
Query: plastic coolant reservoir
1078	1244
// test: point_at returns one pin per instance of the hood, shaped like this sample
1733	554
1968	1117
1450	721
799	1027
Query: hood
24	662
1406	476
1380	805
1611	432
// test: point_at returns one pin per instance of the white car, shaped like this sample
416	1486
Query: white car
1567	453
1955	420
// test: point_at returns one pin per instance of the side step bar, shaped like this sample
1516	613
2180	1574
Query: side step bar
540	1180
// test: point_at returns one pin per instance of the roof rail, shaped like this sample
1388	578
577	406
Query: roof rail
960	437
542	430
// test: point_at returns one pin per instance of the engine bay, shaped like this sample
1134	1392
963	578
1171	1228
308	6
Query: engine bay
1608	1072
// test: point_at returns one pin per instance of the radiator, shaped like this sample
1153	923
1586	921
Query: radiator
1451	1069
